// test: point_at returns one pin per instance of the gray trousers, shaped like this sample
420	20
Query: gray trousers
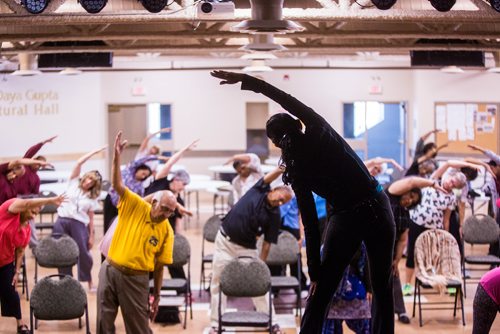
130	293
80	233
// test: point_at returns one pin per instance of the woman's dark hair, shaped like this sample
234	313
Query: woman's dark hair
237	164
281	129
418	192
429	146
143	167
470	173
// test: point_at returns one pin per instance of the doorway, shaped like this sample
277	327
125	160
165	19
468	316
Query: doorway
376	129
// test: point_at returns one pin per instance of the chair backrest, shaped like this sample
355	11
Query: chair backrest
437	253
285	251
211	228
182	251
48	208
245	277
480	229
55	253
58	297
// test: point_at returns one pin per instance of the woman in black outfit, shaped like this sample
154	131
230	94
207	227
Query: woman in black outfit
319	160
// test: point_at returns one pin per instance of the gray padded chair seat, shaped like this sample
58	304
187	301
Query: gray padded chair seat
208	258
483	259
245	318
58	299
284	282
170	284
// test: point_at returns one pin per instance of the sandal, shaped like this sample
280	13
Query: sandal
23	329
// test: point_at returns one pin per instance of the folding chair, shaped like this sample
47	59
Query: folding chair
245	277
479	229
181	286
58	299
437	258
285	252
210	230
55	253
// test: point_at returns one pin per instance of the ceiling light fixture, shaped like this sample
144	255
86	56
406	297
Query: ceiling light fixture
257	65
262	42
452	69
443	5
27	65
35	6
267	17
93	6
154	6
70	71
258	55
384	4
495	4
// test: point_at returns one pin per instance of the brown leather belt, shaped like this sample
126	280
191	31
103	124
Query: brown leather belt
127	271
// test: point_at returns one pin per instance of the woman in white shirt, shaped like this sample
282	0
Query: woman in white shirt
76	215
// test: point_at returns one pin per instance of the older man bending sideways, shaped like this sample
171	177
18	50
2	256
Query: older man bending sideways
142	242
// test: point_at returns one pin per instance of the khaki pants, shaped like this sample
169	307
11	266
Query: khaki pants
225	251
130	293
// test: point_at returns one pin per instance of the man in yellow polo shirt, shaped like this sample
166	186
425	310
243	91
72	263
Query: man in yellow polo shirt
143	242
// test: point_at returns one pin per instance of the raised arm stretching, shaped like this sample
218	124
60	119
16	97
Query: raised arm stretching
145	141
406	184
174	158
30	153
116	180
24	204
454	164
288	102
79	163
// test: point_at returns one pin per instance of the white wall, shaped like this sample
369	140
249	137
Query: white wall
216	114
72	109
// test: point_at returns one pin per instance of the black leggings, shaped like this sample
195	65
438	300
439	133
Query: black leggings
9	298
372	222
413	234
484	311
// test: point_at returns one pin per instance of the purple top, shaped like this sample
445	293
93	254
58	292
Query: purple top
29	183
491	284
128	176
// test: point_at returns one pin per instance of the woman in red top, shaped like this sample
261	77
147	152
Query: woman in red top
14	237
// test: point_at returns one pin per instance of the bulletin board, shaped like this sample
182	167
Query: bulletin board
462	124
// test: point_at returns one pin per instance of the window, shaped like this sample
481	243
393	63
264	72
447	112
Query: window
159	116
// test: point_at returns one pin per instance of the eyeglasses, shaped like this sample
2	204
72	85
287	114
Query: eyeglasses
166	209
97	175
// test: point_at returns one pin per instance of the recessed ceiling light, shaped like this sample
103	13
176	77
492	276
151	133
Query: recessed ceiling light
26	73
452	69
259	55
257	66
70	71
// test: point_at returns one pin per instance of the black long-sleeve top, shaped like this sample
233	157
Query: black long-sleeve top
329	167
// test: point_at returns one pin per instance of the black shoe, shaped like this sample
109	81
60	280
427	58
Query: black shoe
23	329
403	318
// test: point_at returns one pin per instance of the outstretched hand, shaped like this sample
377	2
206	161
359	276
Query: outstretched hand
119	144
227	77
49	140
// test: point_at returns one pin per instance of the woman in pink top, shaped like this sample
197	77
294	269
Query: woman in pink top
486	302
15	233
